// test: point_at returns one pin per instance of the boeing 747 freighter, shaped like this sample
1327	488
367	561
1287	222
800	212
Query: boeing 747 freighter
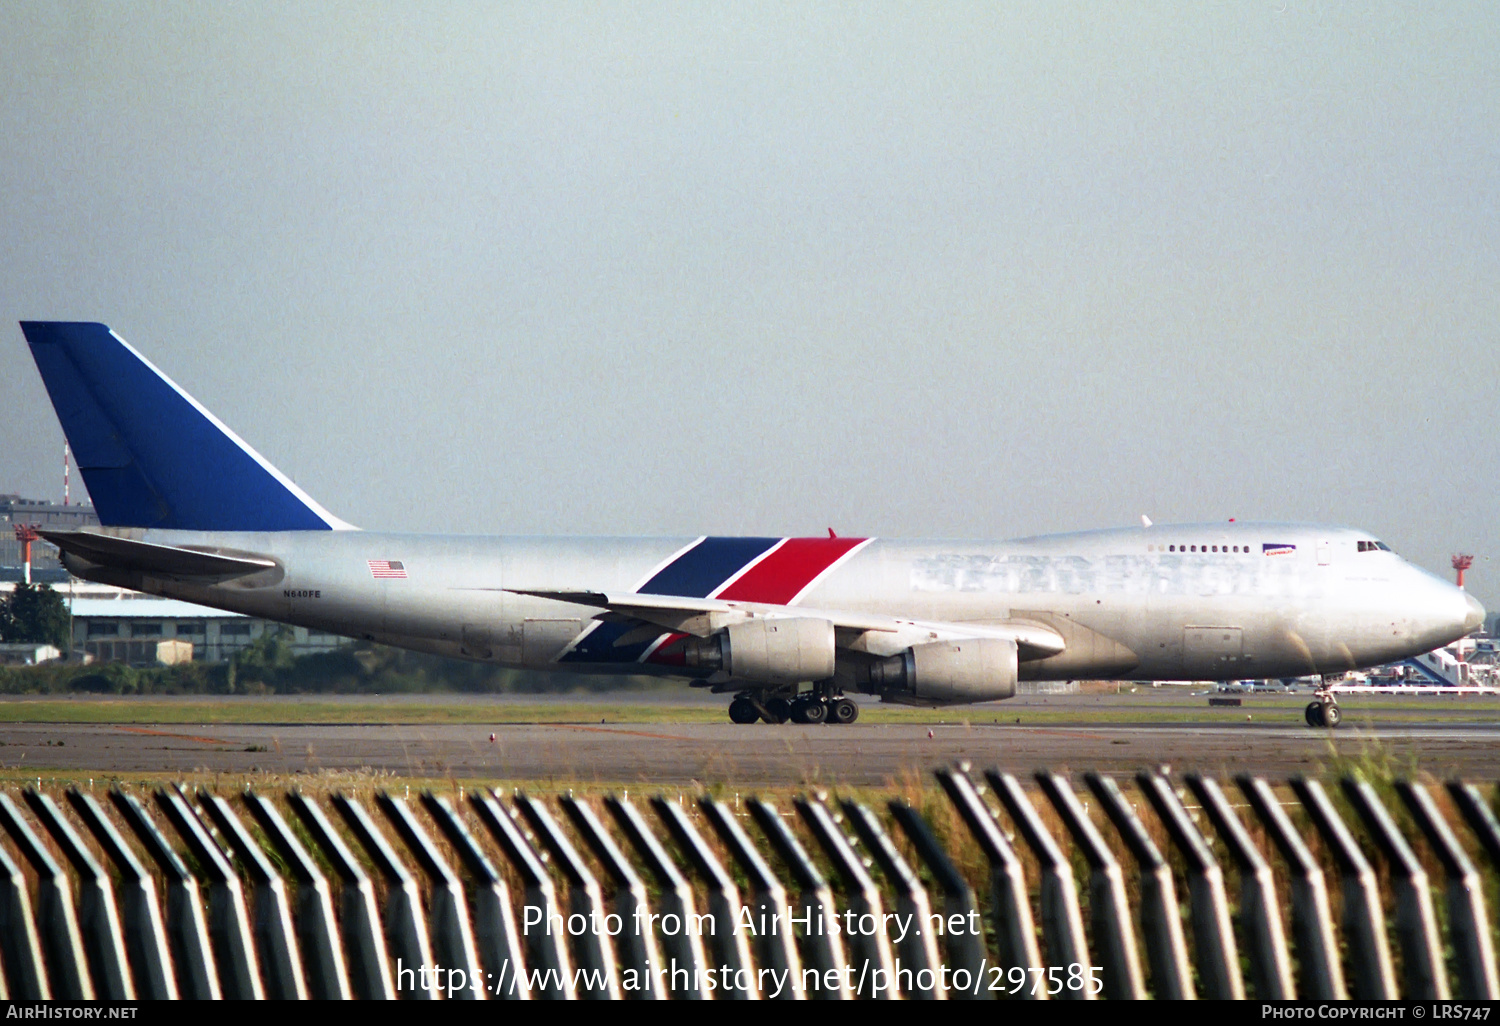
791	627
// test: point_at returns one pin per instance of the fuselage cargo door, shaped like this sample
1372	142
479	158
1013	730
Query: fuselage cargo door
1213	653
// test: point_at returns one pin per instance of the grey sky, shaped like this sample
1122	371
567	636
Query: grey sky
896	269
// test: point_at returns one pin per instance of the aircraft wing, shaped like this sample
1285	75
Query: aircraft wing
873	633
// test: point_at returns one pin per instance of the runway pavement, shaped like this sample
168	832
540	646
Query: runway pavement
685	753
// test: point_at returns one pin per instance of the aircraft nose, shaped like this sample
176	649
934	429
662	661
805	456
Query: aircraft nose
1474	618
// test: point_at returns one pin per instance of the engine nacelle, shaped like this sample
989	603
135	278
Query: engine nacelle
777	651
944	672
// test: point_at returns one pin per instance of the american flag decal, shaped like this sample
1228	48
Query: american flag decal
387	569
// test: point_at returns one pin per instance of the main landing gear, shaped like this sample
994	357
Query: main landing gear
1324	712
816	706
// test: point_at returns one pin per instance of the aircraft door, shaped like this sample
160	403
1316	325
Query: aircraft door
1323	553
1213	653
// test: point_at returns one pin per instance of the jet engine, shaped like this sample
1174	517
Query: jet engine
971	670
775	651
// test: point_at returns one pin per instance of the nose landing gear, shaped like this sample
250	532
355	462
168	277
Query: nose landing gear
1324	712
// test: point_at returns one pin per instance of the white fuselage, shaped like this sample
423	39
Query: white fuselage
1219	601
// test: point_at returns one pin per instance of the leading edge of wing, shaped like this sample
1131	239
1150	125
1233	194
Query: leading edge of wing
702	617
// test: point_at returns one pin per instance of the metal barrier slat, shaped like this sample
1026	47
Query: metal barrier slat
228	922
365	952
322	955
451	936
547	954
681	945
1213	936
62	943
1479	816
1416	922
1260	913
1062	920
1109	908
869	946
1015	935
962	932
635	941
1320	975
148	955
591	947
822	947
916	947
1468	925
774	943
1373	975
405	928
1161	927
500	948
192	954
730	948
20	944
98	920
274	933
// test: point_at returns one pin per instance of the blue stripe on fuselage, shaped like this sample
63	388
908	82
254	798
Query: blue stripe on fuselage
694	574
706	566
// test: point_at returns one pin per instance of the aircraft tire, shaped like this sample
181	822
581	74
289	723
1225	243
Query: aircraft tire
842	710
779	708
1314	714
809	710
1332	716
742	712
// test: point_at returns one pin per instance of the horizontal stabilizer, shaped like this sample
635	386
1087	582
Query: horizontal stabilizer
156	560
151	455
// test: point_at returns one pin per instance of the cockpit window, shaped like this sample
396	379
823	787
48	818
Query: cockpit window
1373	546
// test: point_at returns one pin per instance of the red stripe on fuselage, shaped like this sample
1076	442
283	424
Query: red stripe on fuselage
782	575
669	653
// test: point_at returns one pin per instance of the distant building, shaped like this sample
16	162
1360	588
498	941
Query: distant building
15	510
27	653
132	628
114	625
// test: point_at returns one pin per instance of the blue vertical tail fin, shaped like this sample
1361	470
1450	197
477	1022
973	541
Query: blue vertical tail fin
150	454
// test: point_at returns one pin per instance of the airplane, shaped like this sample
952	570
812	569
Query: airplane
791	627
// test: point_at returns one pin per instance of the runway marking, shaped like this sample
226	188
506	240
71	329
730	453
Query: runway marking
614	730
180	737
